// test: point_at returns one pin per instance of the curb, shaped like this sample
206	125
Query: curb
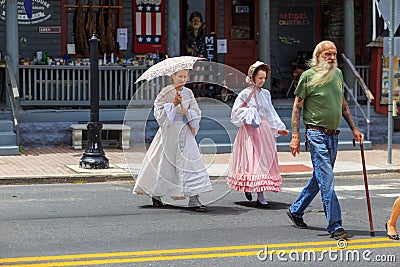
87	177
59	179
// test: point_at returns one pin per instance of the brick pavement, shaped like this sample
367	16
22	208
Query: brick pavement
62	163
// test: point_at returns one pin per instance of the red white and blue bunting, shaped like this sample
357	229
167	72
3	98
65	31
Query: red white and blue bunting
149	26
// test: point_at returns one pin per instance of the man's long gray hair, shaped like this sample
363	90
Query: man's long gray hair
325	71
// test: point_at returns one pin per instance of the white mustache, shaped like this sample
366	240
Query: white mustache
325	73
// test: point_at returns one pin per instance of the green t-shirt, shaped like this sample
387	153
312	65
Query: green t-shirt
322	105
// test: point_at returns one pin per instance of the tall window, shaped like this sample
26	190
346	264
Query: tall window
242	20
80	18
333	24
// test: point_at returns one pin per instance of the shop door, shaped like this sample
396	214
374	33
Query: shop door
241	32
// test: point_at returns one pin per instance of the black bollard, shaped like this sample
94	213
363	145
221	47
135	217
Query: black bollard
94	156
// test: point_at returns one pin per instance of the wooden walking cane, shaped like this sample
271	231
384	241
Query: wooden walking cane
371	225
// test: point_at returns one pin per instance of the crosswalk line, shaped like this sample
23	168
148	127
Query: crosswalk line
341	188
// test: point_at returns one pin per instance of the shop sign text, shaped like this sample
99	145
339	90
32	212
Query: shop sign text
211	46
49	29
293	19
242	9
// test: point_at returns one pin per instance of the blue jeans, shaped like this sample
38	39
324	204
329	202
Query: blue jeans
323	151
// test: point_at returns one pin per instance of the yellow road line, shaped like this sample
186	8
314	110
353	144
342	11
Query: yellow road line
374	241
185	250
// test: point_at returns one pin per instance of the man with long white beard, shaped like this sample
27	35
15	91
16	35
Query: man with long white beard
320	95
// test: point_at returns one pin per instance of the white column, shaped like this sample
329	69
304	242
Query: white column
12	38
264	39
173	24
349	39
12	33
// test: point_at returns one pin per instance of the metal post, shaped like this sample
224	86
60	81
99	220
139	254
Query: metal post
94	157
12	39
390	101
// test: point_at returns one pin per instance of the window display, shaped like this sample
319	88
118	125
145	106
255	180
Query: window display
87	16
385	81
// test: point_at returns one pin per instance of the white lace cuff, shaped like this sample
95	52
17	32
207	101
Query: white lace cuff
170	111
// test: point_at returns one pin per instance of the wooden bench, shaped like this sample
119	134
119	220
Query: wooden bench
124	135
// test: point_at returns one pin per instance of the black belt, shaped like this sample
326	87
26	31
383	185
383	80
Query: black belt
323	130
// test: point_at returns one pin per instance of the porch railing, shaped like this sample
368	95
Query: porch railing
360	91
60	86
69	86
364	73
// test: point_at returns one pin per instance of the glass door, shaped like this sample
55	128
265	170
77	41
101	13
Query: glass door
241	26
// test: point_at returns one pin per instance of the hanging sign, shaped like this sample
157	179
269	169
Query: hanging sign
210	43
149	26
41	11
385	7
222	46
242	9
49	29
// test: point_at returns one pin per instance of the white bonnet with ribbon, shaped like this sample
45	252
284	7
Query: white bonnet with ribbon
253	67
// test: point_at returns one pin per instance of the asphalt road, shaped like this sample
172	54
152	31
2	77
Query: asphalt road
105	224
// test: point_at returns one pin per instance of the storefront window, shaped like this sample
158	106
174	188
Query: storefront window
242	20
333	23
87	16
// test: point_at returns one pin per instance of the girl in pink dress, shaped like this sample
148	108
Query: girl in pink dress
254	163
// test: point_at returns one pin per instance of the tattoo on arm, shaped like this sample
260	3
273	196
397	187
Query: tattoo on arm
347	115
297	106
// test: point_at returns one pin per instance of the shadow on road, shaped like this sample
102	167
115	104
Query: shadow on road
272	205
354	233
212	210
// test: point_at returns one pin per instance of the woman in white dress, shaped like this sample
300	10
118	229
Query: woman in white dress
172	165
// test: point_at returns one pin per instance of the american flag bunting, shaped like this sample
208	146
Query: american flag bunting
149	26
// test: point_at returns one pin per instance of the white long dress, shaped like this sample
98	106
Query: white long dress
172	166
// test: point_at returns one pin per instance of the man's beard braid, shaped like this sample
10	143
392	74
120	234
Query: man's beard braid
324	74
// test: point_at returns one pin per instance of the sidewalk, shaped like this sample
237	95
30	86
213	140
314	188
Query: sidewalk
51	165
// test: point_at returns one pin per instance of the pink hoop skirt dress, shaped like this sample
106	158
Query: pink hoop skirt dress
254	163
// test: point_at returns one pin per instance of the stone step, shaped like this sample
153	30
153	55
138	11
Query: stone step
7	138
216	124
219	148
343	145
345	135
343	124
5	115
220	134
212	148
217	136
6	126
9	150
